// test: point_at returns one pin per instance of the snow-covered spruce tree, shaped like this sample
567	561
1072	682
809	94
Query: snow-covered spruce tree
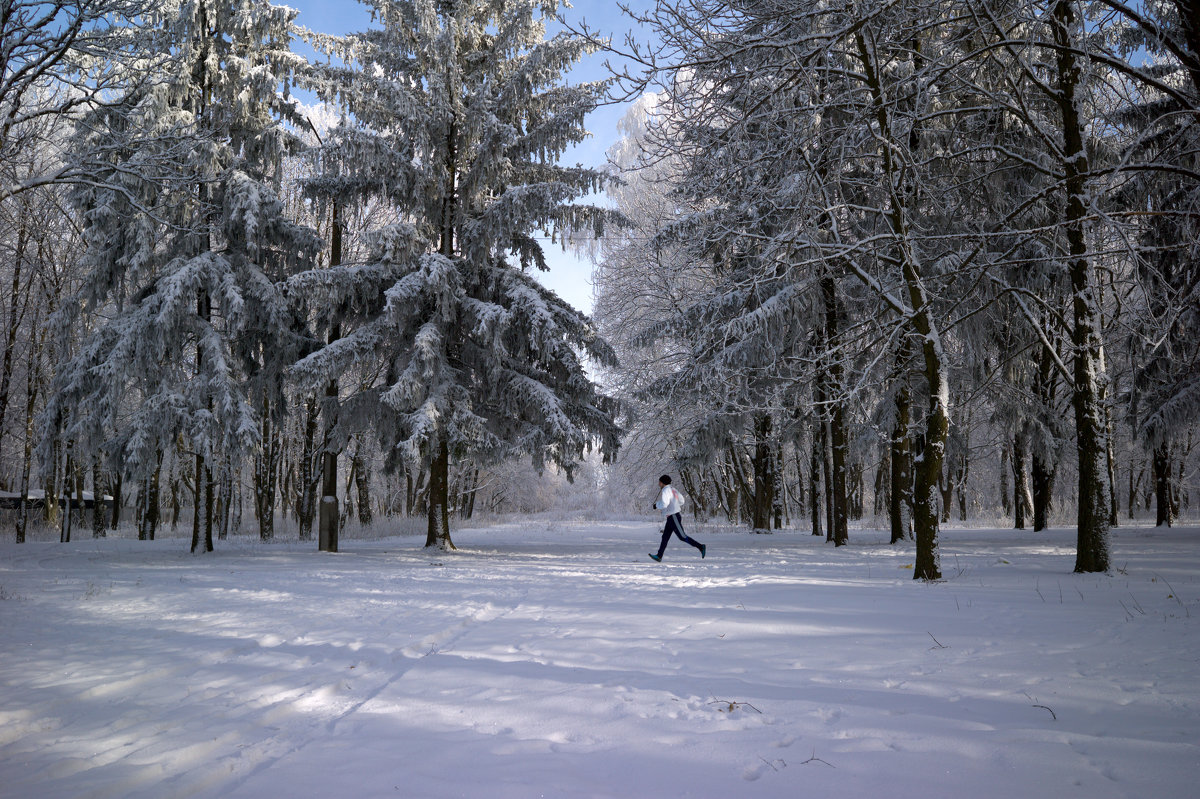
457	112
186	247
312	449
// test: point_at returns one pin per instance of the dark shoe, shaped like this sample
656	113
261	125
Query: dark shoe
656	557
703	550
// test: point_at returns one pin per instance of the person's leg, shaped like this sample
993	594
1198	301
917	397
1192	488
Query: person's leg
677	522
666	536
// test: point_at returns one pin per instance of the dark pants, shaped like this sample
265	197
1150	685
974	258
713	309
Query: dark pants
675	525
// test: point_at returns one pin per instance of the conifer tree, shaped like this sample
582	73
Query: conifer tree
186	246
456	114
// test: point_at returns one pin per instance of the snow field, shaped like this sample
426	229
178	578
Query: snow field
548	659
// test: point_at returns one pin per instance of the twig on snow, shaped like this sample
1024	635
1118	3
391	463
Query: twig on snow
1032	699
1053	715
815	759
730	706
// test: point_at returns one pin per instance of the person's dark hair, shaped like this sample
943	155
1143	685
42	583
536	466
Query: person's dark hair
665	479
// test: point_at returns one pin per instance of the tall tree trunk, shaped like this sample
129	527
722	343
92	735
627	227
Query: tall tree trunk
947	482
1020	480
202	101
418	492
1092	550
202	492
197	501
26	468
1043	473
1164	506
26	465
235	503
778	486
176	482
362	485
148	500
64	535
901	499
410	491
328	519
1148	489
1133	490
827	475
800	492
692	484
32	377
50	508
856	491
964	471
347	506
264	476
763	483
468	504
919	315
208	508
816	463
1114	516
882	498
438	530
1005	497
1044	463
225	502
78	478
937	429
438	511
99	515
741	491
731	492
1182	497
838	521
117	484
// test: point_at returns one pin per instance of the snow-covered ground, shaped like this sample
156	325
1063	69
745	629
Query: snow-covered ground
555	659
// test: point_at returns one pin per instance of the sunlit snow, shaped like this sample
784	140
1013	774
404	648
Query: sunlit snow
554	658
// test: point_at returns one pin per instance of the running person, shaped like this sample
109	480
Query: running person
668	502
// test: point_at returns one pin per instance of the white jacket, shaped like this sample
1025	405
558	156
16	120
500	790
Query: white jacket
669	502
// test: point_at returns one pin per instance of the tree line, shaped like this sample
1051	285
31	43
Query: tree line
215	297
907	260
874	244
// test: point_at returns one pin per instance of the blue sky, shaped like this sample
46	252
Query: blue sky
569	275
